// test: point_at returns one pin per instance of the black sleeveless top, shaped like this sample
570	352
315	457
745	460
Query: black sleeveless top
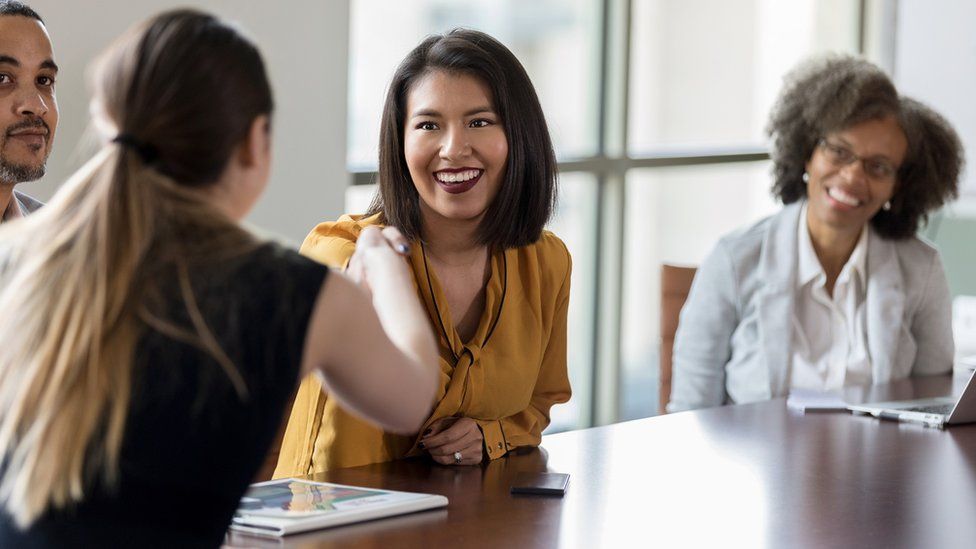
192	444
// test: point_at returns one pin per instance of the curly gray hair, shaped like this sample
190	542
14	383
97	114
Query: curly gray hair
831	93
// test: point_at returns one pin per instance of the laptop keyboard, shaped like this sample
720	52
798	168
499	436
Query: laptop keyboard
942	409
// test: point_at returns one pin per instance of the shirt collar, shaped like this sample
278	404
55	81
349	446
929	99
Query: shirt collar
808	266
14	209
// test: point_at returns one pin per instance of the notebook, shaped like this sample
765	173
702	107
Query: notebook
288	506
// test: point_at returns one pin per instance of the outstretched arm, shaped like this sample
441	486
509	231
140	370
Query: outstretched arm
371	342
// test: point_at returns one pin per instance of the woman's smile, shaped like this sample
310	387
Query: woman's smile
457	181
842	199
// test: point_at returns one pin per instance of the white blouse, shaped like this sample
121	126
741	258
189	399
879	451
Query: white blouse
830	347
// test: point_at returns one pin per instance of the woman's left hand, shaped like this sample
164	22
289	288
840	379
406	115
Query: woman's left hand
454	441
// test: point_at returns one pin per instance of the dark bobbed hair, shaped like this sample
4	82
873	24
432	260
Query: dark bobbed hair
527	195
831	93
13	7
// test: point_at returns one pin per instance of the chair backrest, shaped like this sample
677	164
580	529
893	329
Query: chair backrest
675	285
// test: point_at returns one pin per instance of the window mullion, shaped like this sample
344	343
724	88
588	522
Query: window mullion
615	68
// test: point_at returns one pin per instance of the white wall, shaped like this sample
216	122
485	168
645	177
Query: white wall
935	62
305	45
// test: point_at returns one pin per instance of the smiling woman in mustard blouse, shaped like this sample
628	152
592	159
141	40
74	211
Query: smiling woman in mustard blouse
467	172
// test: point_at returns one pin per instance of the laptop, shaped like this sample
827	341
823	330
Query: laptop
931	412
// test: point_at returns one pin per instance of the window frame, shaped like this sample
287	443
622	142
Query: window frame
610	165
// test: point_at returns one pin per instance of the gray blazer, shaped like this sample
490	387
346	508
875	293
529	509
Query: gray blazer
28	204
733	339
25	203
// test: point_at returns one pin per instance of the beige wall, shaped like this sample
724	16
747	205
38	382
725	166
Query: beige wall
305	44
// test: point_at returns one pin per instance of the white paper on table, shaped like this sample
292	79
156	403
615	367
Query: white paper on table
808	400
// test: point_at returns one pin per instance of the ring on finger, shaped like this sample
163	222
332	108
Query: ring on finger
457	458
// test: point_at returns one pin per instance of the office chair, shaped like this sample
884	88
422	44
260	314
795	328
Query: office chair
675	285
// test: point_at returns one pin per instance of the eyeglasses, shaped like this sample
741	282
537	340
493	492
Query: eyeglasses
839	155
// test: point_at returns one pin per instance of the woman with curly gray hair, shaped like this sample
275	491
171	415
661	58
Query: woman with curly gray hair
836	289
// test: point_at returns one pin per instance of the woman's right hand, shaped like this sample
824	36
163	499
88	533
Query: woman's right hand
378	252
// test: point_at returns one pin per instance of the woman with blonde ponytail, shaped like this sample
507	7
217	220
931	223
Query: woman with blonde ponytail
149	343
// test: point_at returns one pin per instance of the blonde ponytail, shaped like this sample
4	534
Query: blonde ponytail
77	268
78	278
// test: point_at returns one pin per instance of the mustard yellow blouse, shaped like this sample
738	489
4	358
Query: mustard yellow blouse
506	377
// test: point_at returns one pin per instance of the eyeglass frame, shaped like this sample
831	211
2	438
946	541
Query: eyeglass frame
840	156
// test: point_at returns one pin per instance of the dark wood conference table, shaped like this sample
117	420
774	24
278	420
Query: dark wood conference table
752	475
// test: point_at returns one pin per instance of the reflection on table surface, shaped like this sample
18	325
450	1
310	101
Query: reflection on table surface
751	475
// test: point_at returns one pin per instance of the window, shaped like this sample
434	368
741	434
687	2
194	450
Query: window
657	110
574	223
704	73
543	34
